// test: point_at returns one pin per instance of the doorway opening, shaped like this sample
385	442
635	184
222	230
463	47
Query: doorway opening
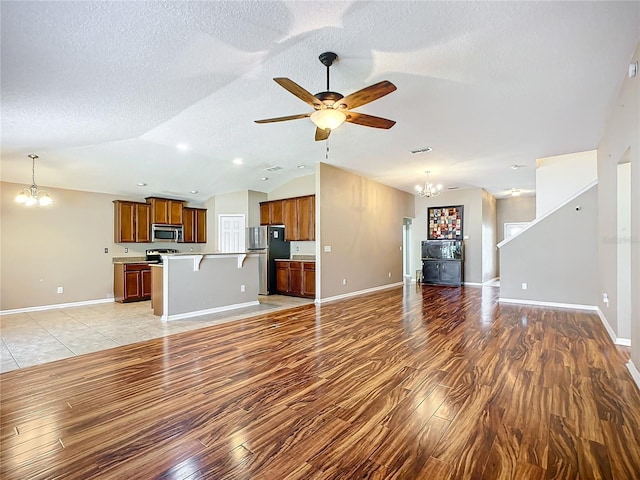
406	249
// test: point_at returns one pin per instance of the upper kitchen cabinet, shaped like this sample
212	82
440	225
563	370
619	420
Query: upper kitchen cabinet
165	211
131	222
272	213
300	218
195	225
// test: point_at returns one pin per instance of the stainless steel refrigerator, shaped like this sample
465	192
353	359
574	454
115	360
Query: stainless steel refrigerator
270	244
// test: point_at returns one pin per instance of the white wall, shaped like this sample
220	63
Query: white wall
558	178
624	250
621	140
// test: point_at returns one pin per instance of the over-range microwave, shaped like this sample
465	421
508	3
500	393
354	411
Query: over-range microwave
166	233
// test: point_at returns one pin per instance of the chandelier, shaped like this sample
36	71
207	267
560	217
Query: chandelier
429	189
33	195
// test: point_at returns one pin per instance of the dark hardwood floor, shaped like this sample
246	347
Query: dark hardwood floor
409	383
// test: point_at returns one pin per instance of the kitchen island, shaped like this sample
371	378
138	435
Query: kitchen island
190	285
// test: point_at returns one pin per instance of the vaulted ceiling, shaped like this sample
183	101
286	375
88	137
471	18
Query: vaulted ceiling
104	91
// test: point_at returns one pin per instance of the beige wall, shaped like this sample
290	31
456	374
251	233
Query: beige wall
361	220
555	257
513	210
489	249
472	201
621	136
297	187
62	246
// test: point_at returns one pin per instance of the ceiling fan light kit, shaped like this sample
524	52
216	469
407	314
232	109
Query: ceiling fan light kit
332	109
328	118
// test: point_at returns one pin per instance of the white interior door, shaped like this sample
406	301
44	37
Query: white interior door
231	230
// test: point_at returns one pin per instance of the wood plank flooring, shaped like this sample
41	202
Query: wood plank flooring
409	383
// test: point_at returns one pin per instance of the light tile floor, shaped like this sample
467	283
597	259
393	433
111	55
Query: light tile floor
33	338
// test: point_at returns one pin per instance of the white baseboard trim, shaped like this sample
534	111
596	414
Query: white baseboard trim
625	342
57	305
635	374
320	301
198	313
472	284
538	303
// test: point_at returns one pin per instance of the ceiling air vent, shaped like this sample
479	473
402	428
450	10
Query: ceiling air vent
273	169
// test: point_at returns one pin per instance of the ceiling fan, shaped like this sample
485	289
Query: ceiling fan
331	109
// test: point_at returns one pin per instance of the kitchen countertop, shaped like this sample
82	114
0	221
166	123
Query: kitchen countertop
126	260
312	260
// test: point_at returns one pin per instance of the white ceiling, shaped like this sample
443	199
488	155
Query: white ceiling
103	91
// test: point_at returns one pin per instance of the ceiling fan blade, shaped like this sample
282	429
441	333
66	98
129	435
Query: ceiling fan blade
368	94
369	120
298	91
322	133
283	119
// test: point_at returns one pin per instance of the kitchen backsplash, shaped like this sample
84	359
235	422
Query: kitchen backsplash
303	248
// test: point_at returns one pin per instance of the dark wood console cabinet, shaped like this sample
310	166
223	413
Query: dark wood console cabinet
442	262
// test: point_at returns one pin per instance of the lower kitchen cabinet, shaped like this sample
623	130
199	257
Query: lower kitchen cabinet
131	282
296	278
442	272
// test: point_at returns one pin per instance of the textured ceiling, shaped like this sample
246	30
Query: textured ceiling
104	91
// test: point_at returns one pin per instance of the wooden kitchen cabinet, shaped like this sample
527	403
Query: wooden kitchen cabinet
131	282
306	209
309	279
272	212
290	217
300	218
131	222
296	278
298	215
166	211
194	221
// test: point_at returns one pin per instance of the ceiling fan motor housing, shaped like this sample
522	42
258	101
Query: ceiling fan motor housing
327	100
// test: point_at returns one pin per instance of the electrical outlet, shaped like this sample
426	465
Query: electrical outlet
344	281
327	248
126	250
524	286
60	289
106	250
242	288
389	274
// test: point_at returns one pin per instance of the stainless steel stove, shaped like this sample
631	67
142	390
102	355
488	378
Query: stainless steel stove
154	254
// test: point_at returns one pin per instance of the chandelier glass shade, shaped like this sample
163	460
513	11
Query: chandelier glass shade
328	118
33	195
428	190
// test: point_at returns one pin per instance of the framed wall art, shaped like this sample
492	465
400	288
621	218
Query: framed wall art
445	223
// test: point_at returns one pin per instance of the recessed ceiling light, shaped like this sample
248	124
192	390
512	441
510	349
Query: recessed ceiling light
141	184
193	192
264	179
421	150
516	167
238	161
182	146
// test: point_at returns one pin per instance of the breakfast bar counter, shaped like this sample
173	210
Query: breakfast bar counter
190	285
